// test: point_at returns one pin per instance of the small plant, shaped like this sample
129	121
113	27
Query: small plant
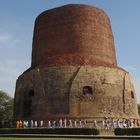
127	131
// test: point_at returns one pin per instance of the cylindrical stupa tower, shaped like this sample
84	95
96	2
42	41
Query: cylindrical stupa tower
73	35
74	73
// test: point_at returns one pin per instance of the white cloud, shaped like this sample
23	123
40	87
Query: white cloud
8	40
4	38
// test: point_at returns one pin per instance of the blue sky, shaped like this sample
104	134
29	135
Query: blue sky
16	32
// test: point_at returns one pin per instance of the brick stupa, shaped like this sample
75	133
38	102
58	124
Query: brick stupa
74	72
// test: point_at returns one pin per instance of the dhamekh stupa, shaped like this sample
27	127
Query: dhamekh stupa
74	72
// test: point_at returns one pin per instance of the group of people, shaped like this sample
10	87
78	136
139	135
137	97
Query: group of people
104	123
111	124
28	124
51	124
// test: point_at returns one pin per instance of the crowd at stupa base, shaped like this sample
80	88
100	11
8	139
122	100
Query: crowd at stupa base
105	123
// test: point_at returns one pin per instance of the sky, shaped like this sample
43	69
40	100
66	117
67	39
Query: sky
16	32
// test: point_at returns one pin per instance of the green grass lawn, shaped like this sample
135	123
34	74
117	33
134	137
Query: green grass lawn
105	132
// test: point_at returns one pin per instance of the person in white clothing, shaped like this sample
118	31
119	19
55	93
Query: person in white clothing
70	124
41	123
54	124
32	124
65	123
49	124
75	123
61	123
35	123
80	124
95	124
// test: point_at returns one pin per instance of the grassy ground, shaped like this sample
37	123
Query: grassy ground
105	132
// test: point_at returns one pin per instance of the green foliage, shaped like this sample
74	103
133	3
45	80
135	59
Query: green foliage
6	109
64	131
127	131
138	106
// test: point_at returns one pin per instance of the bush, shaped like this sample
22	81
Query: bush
127	131
6	110
62	131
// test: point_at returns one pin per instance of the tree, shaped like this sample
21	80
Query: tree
6	109
139	109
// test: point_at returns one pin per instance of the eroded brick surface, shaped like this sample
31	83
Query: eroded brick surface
58	92
73	35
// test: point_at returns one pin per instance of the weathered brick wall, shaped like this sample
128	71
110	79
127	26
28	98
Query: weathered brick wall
112	89
73	35
58	92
